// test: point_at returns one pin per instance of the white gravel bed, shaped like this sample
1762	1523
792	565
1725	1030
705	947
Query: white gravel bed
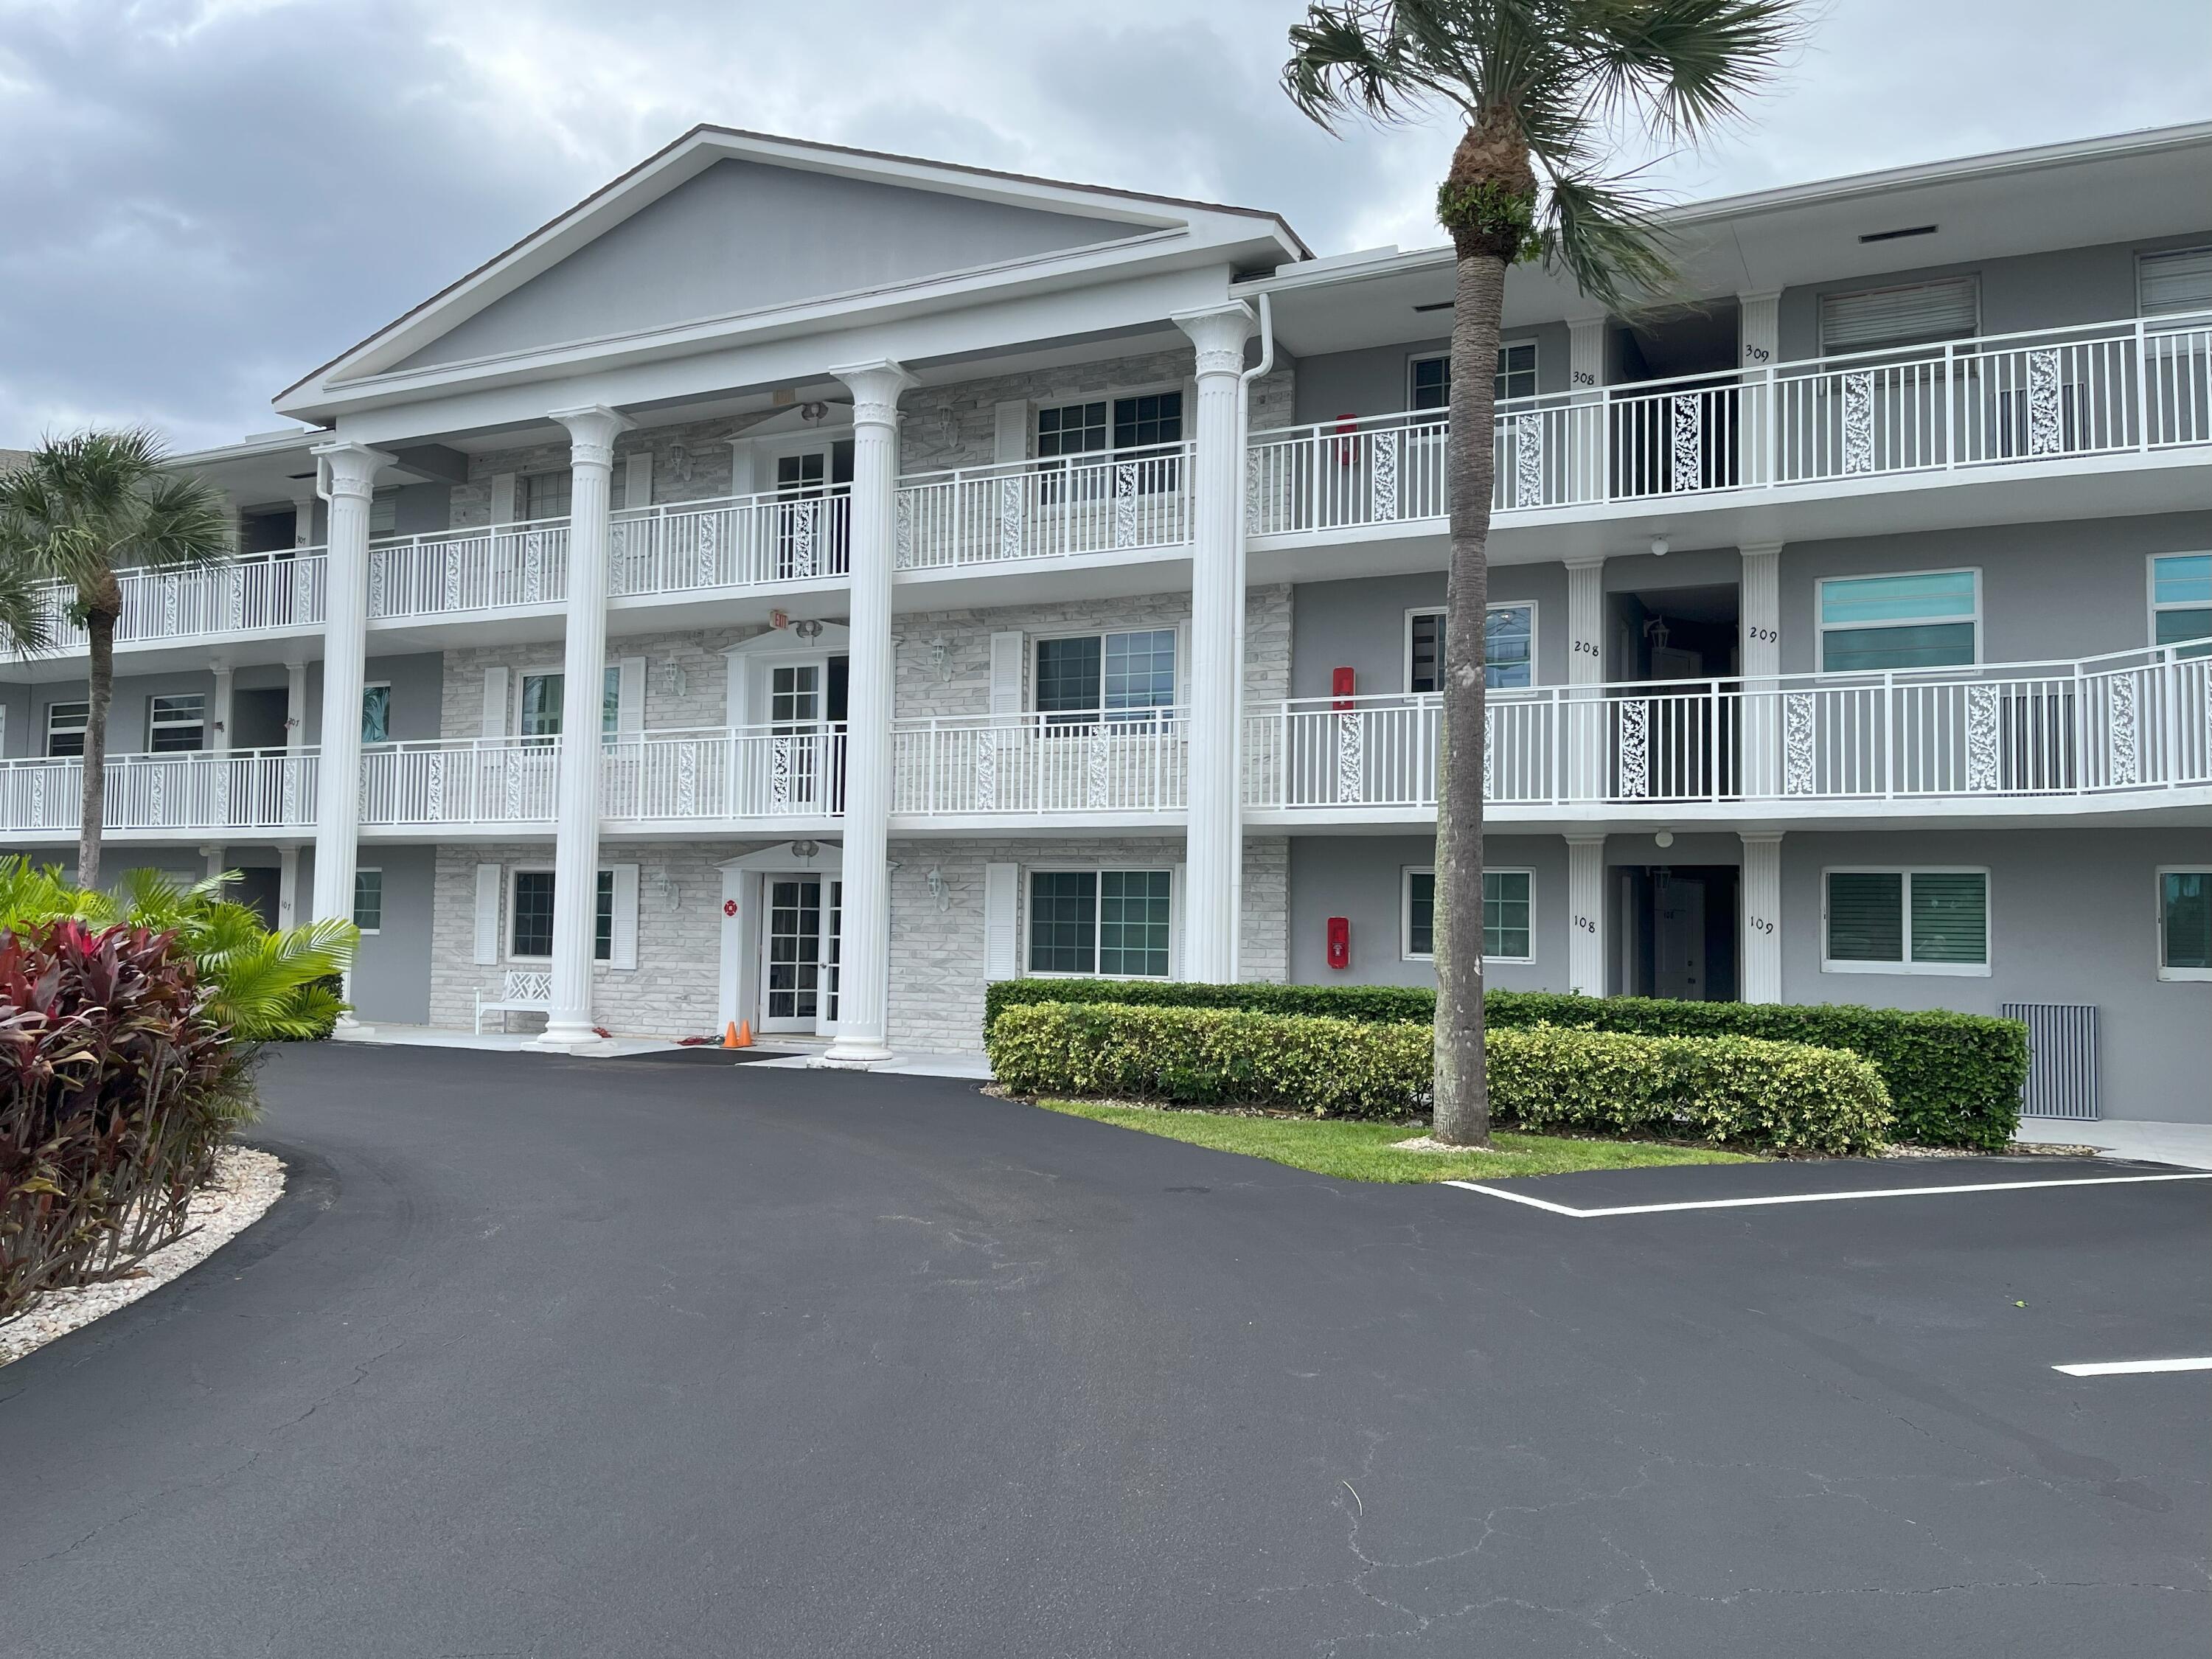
245	1184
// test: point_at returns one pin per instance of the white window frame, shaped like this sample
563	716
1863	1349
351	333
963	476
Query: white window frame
84	730
1822	628
2152	607
2198	975
1127	716
2144	256
522	492
152	724
376	870
1175	917
1533	342
1109	397
1406	951
1406	637
506	920
384	513
537	671
1946	969
1820	314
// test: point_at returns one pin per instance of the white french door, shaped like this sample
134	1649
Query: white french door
814	490
799	948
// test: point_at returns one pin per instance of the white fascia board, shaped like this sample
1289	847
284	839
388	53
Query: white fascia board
701	149
796	356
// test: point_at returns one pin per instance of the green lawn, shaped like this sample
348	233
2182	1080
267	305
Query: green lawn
1363	1151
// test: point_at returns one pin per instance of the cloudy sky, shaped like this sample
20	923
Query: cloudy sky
202	199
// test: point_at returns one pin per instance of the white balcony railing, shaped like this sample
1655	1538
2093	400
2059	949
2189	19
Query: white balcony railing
996	764
2134	725
258	592
2108	389
724	772
459	780
740	541
238	789
487	569
1123	501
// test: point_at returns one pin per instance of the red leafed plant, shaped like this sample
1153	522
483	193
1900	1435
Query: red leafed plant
116	1091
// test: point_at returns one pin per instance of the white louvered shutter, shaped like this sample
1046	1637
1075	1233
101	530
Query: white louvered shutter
2170	283
624	944
487	941
502	498
1874	319
495	702
637	480
629	696
1002	955
1007	673
1010	433
1175	921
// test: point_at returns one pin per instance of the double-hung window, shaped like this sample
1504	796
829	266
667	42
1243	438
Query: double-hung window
2177	282
1906	922
1508	649
1507	928
2184	924
368	901
539	712
530	917
1144	428
1112	922
1889	318
1431	376
66	723
1122	678
2181	601
176	726
542	496
1928	619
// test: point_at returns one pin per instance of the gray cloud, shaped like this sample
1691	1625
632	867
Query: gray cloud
201	199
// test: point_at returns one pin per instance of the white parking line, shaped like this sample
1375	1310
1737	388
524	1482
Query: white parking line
1814	1198
2134	1367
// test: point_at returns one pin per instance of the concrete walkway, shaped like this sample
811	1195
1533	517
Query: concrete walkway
2187	1144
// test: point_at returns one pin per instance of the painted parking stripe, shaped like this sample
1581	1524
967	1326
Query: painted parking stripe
1815	1198
2134	1367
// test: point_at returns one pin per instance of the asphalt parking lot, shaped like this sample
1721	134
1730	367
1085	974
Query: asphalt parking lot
553	1357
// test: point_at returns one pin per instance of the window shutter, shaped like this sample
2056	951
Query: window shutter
502	498
1923	312
1010	433
637	480
487	914
742	480
1182	665
629	696
1006	672
1175	921
495	702
1002	958
624	944
2169	282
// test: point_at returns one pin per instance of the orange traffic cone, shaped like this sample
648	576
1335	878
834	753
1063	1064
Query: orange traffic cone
738	1035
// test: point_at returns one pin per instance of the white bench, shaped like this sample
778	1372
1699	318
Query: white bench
519	993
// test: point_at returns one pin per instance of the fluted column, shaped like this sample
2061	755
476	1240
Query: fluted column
863	935
1761	901
1589	737
1586	934
1215	858
347	478
592	434
1759	610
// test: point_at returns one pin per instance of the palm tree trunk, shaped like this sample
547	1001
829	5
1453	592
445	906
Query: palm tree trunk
99	631
1462	1084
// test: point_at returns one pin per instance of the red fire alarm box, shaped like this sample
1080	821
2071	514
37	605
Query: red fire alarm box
1343	686
1340	941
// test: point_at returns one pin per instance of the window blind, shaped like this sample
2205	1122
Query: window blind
2176	281
1866	915
1950	917
1875	318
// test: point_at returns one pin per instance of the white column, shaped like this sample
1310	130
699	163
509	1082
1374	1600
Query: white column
1586	935
1759	332
220	706
1759	620
296	705
303	520
1590	443
287	887
592	434
348	473
1761	900
1586	735
1215	861
214	855
864	938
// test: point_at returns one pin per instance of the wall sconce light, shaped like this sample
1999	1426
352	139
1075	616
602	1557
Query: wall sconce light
679	683
941	659
948	426
810	630
669	891
939	889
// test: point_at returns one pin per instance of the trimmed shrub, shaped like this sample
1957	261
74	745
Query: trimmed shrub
117	1090
1736	1090
1953	1079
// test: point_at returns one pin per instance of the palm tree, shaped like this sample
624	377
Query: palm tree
1537	85
80	510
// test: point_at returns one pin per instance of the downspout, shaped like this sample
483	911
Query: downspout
1243	604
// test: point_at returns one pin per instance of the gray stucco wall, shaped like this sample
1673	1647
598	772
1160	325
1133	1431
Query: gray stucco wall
2073	918
1376	380
1358	877
2032	290
742	236
1360	624
391	973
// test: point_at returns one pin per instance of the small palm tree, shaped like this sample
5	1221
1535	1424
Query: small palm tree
77	512
1537	84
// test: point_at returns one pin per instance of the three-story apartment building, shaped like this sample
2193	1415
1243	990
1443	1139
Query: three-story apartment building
800	585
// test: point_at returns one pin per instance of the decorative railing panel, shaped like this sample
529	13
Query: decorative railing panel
238	789
2061	393
993	765
724	772
460	781
738	542
1122	501
487	569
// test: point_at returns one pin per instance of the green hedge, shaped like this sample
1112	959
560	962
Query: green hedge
1733	1090
1953	1079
